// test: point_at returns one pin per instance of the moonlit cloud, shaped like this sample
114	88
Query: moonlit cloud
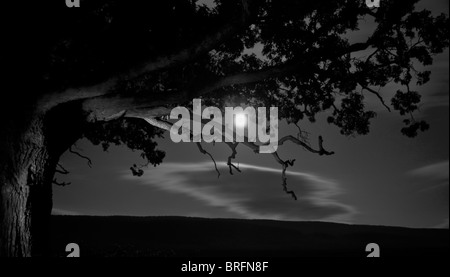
433	175
437	170
256	193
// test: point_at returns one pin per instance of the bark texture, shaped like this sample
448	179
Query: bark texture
30	149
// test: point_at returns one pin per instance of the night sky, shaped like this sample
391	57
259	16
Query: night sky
382	178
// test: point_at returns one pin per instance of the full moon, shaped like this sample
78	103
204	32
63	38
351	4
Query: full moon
241	120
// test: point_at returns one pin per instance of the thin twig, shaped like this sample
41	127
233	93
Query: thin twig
295	140
89	162
255	148
63	184
61	169
285	165
377	94
203	151
232	156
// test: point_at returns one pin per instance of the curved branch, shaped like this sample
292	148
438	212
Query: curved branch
377	94
89	162
159	63
61	169
289	67
295	140
285	164
167	126
302	135
111	106
63	184
203	151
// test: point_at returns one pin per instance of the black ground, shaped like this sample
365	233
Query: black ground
199	237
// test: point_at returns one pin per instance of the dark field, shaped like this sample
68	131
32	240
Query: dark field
198	237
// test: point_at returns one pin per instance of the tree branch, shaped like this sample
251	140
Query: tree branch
321	151
159	63
105	107
203	151
302	135
89	162
61	170
285	165
110	107
232	156
377	95
63	184
297	66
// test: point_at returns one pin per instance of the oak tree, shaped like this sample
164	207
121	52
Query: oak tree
111	71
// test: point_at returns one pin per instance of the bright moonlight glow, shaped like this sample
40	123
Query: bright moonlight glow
241	120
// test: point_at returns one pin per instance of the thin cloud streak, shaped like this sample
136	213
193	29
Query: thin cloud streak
260	198
435	176
437	170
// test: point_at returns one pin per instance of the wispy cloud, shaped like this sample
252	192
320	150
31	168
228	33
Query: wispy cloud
436	175
254	193
437	170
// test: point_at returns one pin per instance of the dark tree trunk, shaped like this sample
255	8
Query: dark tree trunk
29	152
26	197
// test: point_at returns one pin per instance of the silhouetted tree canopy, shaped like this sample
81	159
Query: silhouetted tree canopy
117	58
306	64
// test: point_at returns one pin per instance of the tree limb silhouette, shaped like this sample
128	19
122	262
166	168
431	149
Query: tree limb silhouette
230	164
155	64
253	146
203	151
377	94
61	170
63	184
284	166
89	162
